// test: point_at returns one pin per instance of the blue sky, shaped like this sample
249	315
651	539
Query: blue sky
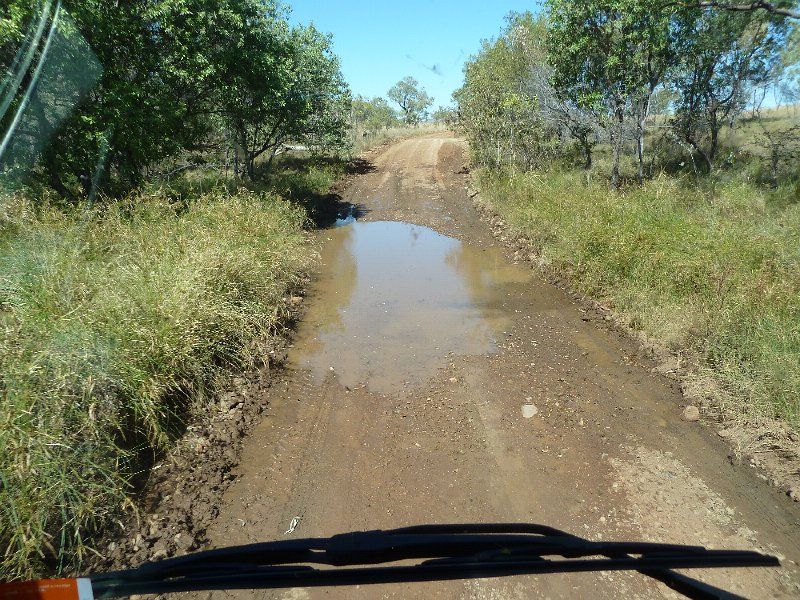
381	42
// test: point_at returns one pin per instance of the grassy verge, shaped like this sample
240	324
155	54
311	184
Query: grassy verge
114	325
711	266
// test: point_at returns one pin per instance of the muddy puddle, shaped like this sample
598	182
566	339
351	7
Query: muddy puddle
392	300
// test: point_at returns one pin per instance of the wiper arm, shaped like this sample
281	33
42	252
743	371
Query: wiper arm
442	552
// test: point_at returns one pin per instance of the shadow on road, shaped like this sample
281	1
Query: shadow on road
360	166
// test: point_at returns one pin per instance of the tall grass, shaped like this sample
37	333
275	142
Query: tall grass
113	324
707	265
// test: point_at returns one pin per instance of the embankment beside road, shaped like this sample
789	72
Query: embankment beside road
709	269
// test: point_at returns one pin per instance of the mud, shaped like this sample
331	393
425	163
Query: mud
606	454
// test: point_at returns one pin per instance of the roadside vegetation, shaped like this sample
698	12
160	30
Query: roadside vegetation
633	148
160	164
374	122
117	327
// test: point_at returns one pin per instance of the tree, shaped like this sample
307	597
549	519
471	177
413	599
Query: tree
724	55
372	115
562	114
498	110
784	8
126	86
413	100
789	85
609	57
94	95
443	114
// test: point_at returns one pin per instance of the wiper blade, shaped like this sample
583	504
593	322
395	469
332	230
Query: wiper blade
441	552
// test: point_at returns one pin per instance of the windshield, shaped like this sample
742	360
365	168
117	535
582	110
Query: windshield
275	272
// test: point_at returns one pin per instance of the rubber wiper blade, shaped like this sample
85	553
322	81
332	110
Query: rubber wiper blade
443	552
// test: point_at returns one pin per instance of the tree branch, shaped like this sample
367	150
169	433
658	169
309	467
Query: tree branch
755	5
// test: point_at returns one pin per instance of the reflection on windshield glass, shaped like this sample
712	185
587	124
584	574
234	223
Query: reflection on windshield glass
53	70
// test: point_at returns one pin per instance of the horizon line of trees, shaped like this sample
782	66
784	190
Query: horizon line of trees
413	104
585	74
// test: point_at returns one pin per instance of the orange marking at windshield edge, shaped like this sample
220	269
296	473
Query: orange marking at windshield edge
48	589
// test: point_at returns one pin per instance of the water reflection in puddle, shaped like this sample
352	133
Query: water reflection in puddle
393	299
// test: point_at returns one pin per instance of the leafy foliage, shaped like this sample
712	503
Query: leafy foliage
413	101
723	56
499	116
126	86
610	56
111	325
372	115
587	73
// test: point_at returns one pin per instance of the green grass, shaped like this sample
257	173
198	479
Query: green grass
712	266
115	324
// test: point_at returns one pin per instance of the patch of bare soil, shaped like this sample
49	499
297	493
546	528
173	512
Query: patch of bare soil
559	420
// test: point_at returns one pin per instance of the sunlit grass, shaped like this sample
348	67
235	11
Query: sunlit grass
711	265
113	325
363	141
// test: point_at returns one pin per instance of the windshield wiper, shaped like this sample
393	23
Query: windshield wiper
441	552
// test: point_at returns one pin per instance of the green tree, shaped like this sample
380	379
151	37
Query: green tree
443	114
55	85
412	99
125	87
610	56
263	82
498	111
782	8
724	55
372	115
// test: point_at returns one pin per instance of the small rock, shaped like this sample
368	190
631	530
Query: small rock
160	550
138	541
529	411
725	433
794	494
296	300
454	380
183	542
691	414
668	366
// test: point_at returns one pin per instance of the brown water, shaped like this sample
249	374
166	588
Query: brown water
393	299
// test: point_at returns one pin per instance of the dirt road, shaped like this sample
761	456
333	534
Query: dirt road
403	404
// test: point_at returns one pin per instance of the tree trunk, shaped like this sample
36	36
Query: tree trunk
640	154
707	160
641	126
712	151
251	166
615	170
587	152
620	119
58	185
